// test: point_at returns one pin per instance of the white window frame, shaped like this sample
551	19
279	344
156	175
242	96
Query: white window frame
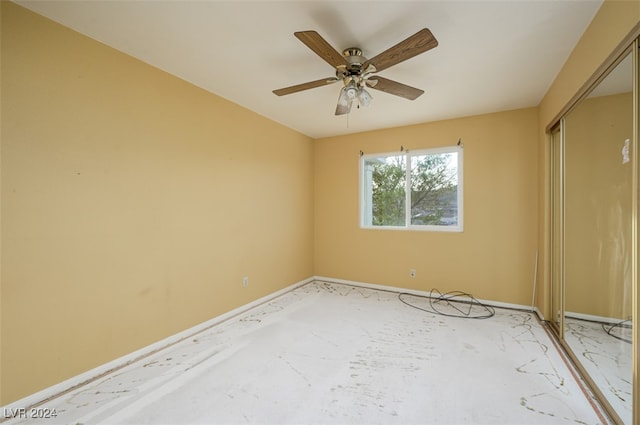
365	192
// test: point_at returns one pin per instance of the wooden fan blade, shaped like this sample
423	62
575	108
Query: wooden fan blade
305	86
319	45
395	88
418	43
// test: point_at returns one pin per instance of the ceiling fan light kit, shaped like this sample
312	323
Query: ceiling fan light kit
352	91
364	97
355	71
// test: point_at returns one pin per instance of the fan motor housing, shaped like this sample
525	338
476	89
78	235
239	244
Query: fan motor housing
353	56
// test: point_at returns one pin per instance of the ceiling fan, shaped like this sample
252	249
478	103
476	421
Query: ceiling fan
356	71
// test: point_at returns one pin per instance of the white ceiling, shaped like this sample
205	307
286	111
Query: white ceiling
492	55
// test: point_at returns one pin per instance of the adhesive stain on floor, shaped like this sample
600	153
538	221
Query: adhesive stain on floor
328	353
607	357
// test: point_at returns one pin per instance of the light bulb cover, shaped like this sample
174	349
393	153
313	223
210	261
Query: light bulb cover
364	97
343	100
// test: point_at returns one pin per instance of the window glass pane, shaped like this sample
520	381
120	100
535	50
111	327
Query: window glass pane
434	189
385	190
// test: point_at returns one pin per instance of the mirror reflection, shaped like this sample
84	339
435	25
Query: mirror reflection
598	236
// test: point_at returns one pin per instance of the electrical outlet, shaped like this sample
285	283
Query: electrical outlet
412	272
245	281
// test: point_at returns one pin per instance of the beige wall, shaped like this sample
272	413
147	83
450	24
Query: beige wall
133	203
598	214
614	21
492	259
1	296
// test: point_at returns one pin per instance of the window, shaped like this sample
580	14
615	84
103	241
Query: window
419	190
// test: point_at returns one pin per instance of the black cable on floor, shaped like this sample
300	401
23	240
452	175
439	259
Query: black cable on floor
460	304
621	325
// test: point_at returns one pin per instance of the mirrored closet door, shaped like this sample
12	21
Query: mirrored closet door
593	235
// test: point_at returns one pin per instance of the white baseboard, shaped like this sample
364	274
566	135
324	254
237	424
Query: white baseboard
593	318
419	292
539	313
92	374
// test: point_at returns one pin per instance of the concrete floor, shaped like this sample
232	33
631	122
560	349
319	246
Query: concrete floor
608	360
328	353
